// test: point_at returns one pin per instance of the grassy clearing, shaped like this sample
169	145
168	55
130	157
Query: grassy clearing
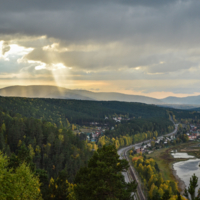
165	160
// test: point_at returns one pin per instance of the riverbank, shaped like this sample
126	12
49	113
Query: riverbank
165	163
181	184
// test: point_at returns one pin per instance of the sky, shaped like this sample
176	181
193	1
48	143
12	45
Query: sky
140	47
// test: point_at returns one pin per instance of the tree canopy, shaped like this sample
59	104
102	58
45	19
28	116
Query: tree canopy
19	184
190	191
102	178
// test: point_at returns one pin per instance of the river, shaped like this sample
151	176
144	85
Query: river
185	169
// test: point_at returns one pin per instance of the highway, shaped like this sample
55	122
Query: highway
123	154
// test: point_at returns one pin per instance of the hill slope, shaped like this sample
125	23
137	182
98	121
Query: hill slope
78	111
192	100
63	93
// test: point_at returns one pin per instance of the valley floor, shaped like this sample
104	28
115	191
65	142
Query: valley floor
165	160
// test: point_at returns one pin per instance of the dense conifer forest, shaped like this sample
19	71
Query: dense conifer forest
36	136
138	126
50	151
78	111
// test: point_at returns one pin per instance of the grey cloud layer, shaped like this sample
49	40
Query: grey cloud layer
161	38
103	21
20	5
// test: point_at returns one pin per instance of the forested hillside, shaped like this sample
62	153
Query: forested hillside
184	114
51	152
55	92
139	126
135	131
37	132
78	111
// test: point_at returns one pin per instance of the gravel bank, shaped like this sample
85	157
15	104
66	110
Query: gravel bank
181	184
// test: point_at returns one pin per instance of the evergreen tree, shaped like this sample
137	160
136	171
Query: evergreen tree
166	195
20	183
190	192
179	196
102	179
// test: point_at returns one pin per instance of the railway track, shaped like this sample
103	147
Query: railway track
123	152
134	177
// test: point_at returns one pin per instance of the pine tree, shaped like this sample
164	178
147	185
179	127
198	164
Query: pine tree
190	192
20	183
102	179
179	196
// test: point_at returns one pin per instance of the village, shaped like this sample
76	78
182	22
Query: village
192	135
94	131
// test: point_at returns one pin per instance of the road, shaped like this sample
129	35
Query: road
122	153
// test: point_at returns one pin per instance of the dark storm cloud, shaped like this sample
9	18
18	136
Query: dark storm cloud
159	36
20	5
100	21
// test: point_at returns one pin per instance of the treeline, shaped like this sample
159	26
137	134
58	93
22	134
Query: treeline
83	112
185	114
78	111
118	142
149	172
182	134
51	152
135	131
189	121
142	128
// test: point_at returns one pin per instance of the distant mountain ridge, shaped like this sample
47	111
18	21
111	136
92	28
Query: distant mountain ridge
192	100
43	91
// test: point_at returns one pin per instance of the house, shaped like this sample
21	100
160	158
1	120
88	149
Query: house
193	127
138	150
192	136
172	137
158	141
117	119
149	145
196	133
97	133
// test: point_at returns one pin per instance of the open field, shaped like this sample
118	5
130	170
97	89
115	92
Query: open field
164	161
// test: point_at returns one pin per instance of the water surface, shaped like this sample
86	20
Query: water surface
185	169
181	155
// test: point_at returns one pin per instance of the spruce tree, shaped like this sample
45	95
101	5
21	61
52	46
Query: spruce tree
102	179
190	192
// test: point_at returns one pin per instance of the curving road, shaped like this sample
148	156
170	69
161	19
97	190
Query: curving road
122	153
